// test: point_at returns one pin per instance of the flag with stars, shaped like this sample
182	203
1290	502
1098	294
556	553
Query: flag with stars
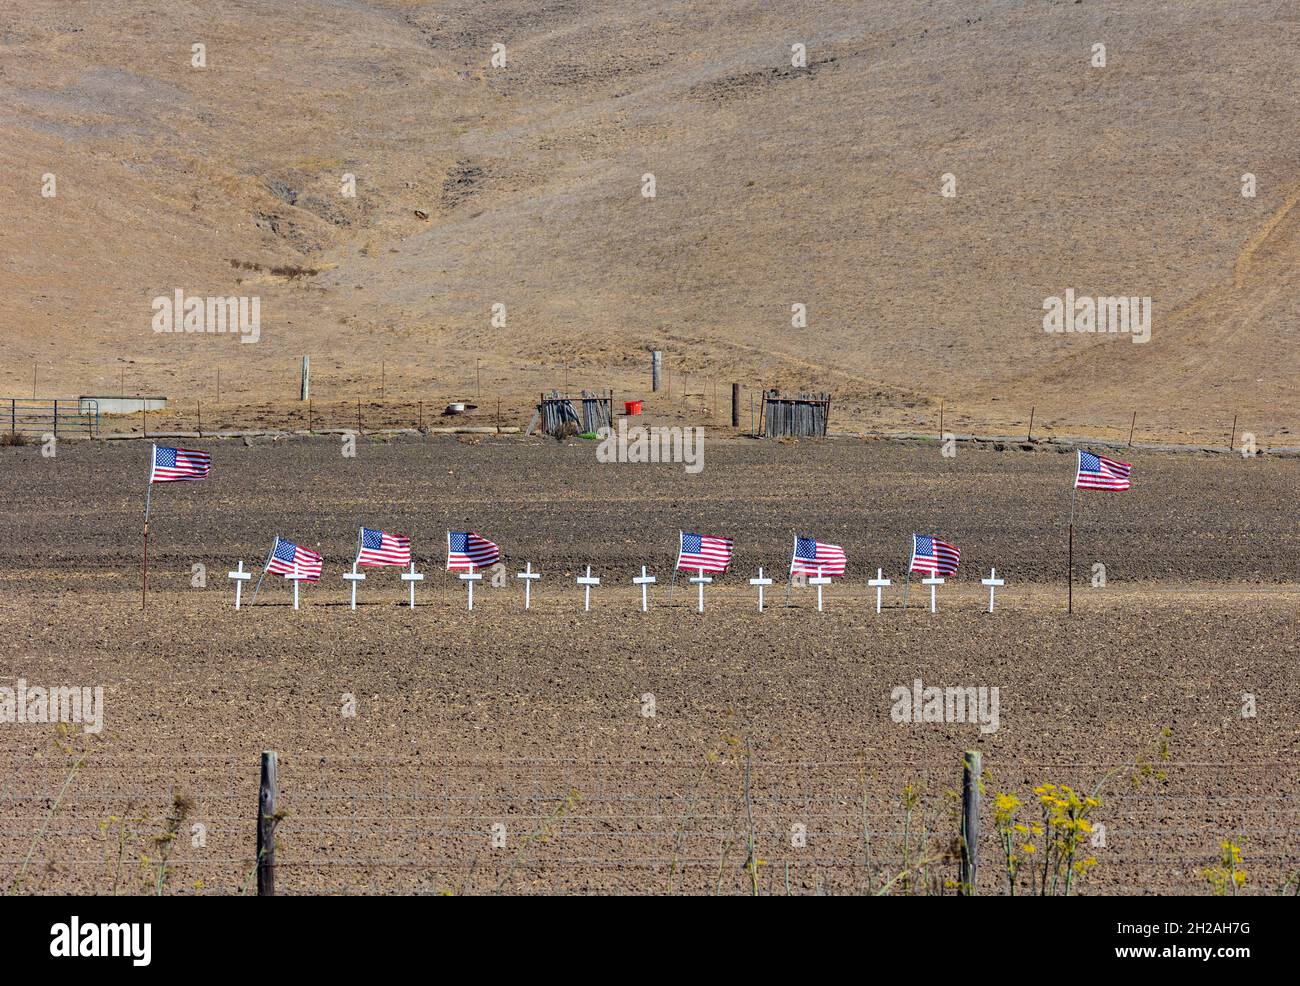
288	558
700	551
382	548
1096	472
175	465
468	551
934	557
813	557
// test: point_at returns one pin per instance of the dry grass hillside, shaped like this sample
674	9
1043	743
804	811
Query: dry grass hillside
775	185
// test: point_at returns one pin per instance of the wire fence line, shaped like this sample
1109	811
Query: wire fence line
478	825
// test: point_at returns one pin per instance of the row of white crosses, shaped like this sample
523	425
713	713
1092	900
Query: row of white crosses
588	581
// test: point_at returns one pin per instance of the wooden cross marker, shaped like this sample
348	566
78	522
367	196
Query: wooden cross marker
469	578
701	580
354	577
587	581
529	577
643	581
879	583
819	580
932	582
761	583
295	579
410	578
993	582
239	577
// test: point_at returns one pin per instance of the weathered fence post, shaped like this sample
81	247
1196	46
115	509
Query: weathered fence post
304	386
656	366
970	821
735	405
266	826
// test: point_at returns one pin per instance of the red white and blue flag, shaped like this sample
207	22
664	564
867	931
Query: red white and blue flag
467	550
175	465
813	557
700	551
288	558
381	548
1096	472
934	556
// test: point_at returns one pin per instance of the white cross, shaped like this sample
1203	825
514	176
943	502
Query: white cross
587	582
354	577
701	580
295	579
819	580
529	577
993	582
932	582
469	578
410	578
879	583
239	577
760	582
643	581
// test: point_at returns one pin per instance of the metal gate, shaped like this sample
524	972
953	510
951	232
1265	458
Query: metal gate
40	416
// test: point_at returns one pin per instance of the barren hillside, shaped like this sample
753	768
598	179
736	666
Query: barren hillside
775	185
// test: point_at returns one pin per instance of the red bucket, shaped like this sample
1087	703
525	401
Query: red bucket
631	407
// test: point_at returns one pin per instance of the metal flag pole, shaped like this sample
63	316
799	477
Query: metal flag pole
789	585
264	570
1069	557
144	564
672	584
907	582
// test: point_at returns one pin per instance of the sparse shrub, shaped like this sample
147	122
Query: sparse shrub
1229	875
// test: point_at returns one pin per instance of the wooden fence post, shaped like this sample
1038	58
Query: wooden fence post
970	821
266	826
735	405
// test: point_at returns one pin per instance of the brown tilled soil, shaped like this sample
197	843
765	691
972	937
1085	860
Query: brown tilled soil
533	728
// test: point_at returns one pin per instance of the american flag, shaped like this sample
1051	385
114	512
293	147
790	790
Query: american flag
1096	472
174	465
934	556
382	548
812	557
288	558
700	551
468	550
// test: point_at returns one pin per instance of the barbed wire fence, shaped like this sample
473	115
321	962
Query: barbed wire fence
722	824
